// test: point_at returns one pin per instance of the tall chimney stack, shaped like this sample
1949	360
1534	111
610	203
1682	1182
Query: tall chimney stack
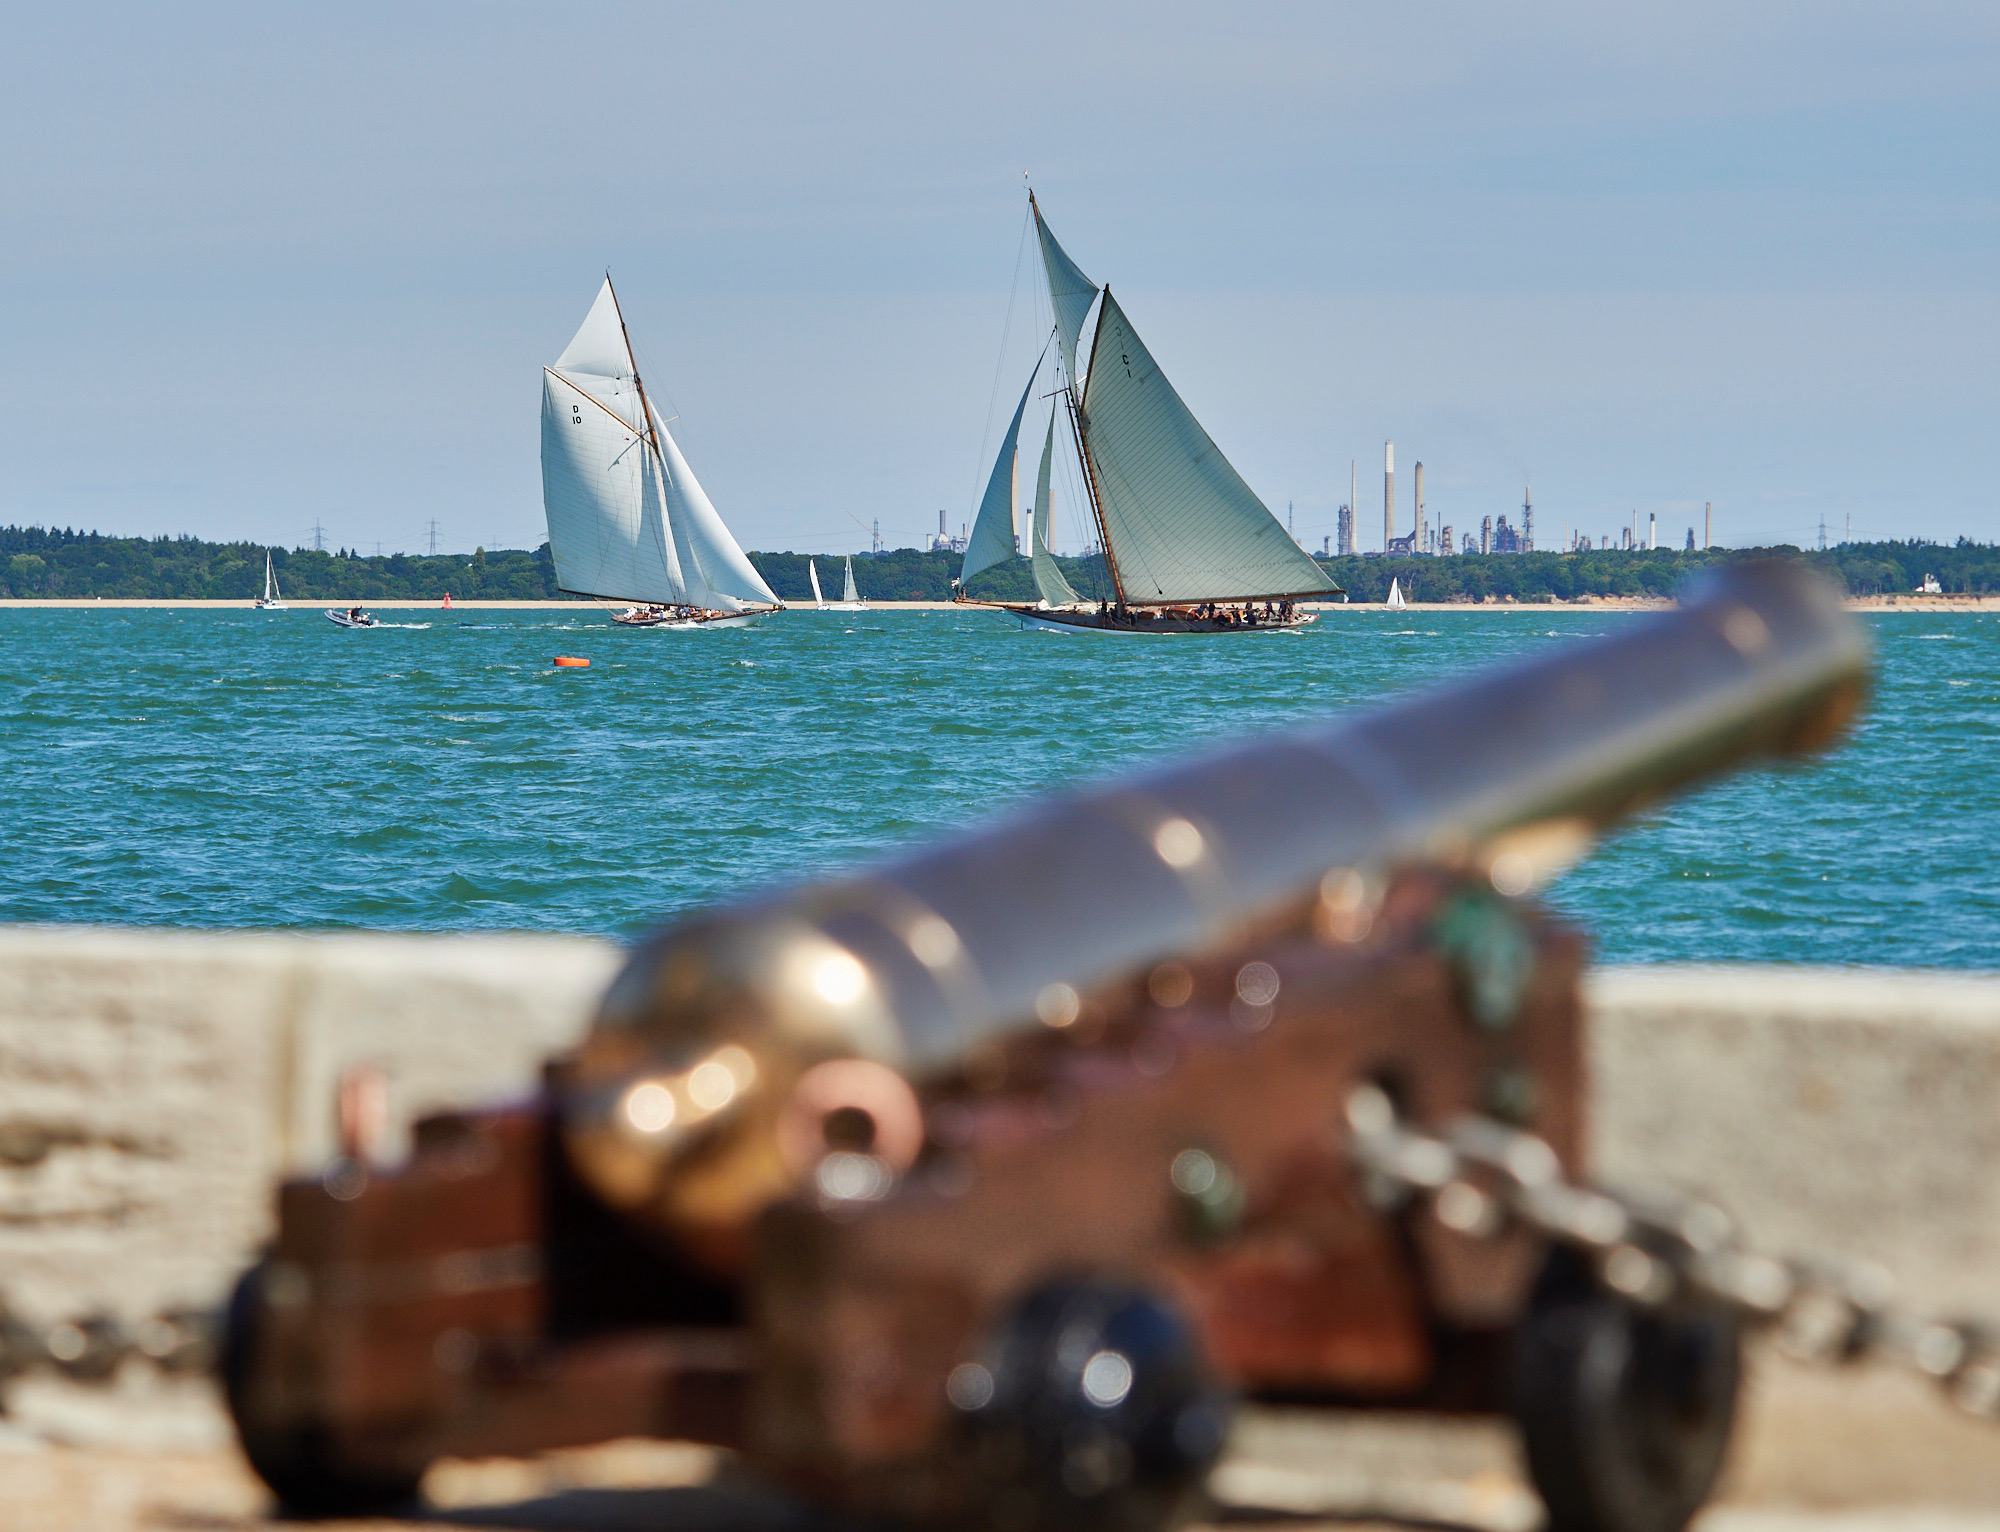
1652	530
1418	491
1388	494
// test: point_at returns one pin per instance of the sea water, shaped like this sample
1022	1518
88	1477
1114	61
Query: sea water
232	768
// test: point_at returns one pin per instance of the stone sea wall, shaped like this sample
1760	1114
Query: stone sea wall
154	1084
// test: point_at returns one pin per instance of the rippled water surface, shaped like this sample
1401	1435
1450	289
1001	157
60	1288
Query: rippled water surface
230	768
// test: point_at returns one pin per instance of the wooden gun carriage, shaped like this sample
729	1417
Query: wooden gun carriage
972	1189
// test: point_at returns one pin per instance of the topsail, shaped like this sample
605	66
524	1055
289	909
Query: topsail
1070	291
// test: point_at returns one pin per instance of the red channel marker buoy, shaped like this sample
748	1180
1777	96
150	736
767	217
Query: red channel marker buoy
568	661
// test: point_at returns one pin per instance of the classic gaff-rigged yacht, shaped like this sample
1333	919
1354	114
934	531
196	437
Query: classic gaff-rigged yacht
1188	546
270	601
628	520
850	599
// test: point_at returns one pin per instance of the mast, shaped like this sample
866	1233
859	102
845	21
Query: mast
649	431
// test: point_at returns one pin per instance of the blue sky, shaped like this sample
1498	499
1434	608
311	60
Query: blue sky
273	265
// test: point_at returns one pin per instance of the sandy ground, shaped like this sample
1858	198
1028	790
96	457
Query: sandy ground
1814	1451
1456	1478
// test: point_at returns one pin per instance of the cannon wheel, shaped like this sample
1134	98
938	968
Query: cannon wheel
297	1460
1624	1412
1101	1417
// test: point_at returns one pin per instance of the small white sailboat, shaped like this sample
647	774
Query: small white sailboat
270	601
850	599
1395	603
1188	546
628	520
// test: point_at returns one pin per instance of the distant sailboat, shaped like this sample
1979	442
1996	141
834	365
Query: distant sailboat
628	521
271	600
1395	603
1188	547
850	600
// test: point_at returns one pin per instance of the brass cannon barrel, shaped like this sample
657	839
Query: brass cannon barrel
676	1101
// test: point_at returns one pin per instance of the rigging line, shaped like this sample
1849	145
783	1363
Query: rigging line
993	394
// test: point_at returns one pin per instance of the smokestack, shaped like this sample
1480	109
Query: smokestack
1527	519
1418	492
1353	511
1388	494
1652	530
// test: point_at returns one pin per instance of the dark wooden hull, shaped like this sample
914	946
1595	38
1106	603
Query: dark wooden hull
1140	623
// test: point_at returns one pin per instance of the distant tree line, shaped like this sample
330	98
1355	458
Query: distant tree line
1865	569
46	562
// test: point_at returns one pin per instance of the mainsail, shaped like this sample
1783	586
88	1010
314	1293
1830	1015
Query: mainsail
1049	581
993	540
848	593
812	574
1179	522
627	517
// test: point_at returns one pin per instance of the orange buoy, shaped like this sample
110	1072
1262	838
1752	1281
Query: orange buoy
568	660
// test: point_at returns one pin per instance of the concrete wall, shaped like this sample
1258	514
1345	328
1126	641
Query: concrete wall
152	1086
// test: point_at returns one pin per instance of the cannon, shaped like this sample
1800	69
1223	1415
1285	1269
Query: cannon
974	1188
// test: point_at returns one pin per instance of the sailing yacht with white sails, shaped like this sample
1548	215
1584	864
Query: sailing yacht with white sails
850	599
628	520
271	600
1188	546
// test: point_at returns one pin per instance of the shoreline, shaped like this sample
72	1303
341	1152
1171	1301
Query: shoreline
1932	605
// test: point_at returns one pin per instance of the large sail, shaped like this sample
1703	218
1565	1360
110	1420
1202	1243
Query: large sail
1180	522
714	552
607	533
1070	291
599	346
812	574
993	540
848	593
1049	581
